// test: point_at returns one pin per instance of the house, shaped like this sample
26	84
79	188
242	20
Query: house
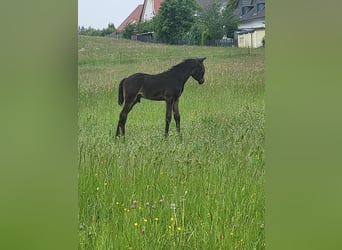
144	12
251	29
133	18
149	9
250	13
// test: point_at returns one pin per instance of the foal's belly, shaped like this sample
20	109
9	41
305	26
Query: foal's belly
160	95
153	95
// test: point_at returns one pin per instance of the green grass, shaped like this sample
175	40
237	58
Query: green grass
213	179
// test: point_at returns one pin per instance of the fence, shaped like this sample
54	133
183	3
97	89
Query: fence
149	37
228	42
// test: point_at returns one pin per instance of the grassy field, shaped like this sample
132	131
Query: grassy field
144	192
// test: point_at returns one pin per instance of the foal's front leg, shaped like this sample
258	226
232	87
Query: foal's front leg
169	105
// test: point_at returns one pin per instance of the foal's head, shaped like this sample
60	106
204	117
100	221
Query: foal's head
199	70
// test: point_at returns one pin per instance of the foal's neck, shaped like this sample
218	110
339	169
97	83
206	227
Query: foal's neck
182	73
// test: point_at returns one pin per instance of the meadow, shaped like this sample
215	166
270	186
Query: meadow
205	191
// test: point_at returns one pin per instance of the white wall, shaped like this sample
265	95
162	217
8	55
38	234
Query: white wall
256	23
251	40
148	11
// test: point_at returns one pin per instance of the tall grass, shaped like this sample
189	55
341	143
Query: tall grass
145	192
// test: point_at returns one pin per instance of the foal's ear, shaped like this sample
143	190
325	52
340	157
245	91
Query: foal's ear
202	59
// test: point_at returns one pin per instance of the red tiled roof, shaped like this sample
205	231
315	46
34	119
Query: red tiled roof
157	4
134	17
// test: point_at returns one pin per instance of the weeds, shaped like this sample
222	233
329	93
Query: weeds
205	192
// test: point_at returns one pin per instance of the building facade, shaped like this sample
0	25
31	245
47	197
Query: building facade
251	28
149	9
250	13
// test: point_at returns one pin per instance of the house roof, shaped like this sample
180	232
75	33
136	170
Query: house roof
254	13
250	9
247	2
134	17
157	4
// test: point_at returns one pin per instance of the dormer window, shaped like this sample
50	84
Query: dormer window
245	10
260	6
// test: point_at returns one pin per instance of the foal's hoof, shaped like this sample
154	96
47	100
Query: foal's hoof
120	137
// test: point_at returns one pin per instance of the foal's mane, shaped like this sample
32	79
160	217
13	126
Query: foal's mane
180	66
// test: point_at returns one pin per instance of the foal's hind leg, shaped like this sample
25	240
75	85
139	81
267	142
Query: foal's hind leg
176	115
129	103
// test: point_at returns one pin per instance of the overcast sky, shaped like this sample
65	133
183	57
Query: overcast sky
99	13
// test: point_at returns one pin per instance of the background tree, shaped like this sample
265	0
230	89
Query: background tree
214	22
180	20
97	32
147	26
230	21
89	31
109	30
175	19
128	31
131	29
232	4
196	32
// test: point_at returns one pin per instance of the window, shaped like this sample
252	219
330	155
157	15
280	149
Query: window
245	10
260	6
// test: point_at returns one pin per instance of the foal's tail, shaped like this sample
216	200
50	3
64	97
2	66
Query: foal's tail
120	95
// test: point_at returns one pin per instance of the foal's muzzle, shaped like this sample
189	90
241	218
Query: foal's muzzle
201	81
